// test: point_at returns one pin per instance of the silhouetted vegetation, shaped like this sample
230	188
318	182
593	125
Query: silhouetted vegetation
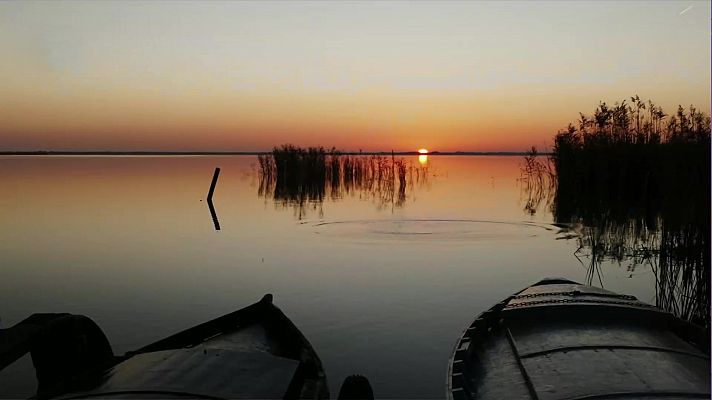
647	163
301	178
537	180
636	181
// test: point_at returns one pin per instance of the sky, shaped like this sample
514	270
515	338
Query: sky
246	76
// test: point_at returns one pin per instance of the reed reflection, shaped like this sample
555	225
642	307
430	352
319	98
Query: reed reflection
303	178
678	254
537	182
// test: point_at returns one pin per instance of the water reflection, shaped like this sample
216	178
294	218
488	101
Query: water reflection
213	214
659	224
107	236
303	179
678	256
537	182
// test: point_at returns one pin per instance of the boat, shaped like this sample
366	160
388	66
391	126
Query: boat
558	339
253	353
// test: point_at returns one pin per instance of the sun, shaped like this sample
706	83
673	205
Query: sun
423	156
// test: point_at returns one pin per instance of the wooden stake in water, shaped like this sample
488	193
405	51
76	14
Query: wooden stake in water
213	183
210	199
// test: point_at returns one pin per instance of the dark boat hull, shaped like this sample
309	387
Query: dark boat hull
561	340
255	352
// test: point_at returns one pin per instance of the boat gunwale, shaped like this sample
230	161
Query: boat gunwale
265	312
205	331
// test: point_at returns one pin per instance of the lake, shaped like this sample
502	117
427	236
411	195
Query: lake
381	284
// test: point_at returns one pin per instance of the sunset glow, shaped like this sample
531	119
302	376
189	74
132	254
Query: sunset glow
423	151
245	76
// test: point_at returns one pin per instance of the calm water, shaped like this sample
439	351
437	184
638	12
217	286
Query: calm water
381	288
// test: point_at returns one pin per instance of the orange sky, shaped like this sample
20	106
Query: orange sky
247	76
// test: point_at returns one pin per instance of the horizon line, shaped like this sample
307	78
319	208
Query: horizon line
249	153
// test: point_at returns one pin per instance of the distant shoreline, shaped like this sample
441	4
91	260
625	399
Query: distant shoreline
249	153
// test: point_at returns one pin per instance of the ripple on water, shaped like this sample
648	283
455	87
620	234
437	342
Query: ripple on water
432	229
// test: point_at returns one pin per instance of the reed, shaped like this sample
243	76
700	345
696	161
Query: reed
537	181
303	178
647	164
636	183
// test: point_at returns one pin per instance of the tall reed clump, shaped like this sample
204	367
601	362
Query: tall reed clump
298	177
638	180
300	174
636	155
